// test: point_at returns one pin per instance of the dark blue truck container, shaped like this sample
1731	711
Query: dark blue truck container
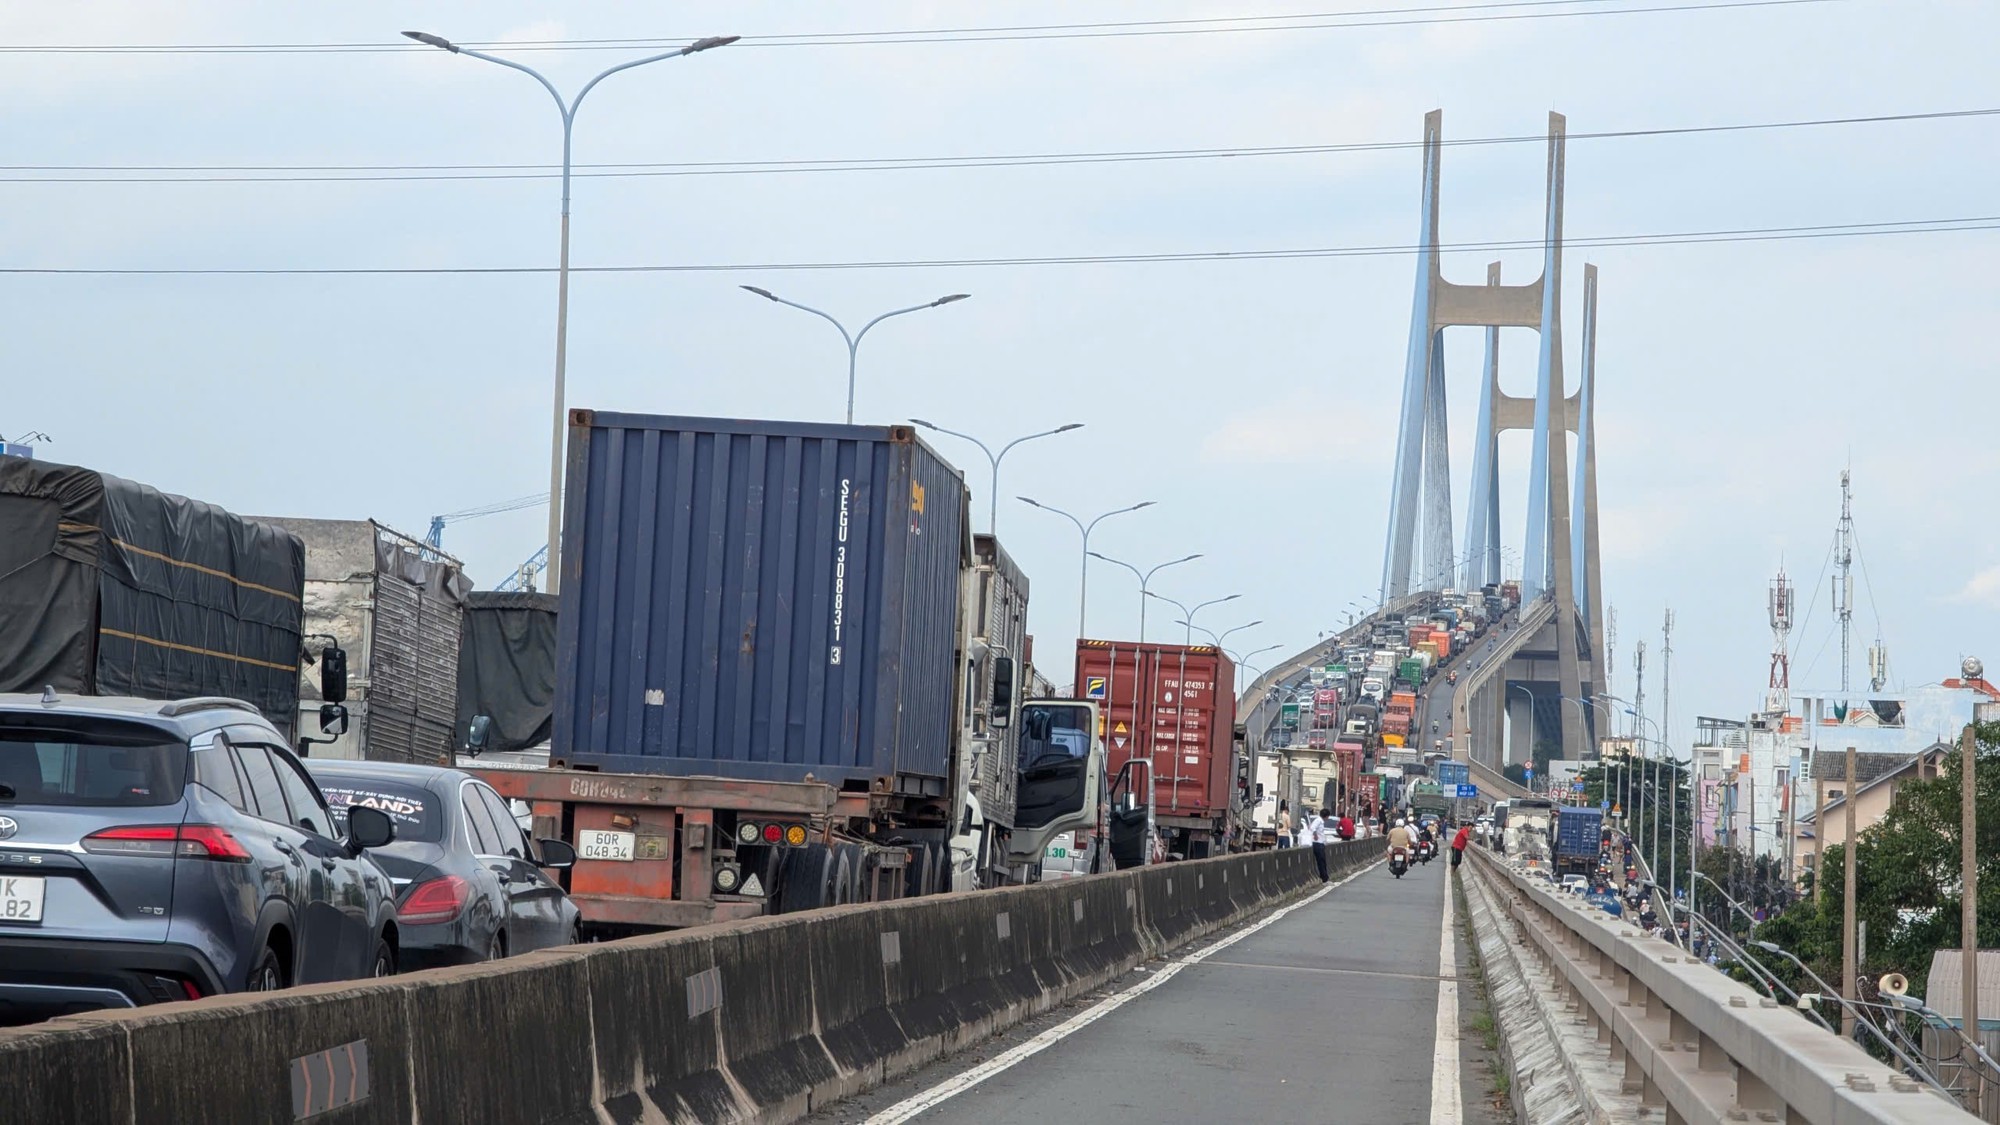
758	600
1579	839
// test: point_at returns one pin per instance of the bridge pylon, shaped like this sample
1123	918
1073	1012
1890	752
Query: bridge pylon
1560	552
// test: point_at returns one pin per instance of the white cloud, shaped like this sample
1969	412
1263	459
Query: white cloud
1313	432
1983	588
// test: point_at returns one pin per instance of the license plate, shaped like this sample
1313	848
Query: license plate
597	844
21	898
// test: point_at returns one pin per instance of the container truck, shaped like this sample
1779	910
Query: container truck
1411	672
787	676
396	608
109	587
1172	710
1579	839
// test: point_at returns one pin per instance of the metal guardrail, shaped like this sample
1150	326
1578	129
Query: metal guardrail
1690	1042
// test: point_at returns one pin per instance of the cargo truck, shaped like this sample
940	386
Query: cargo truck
1579	839
396	608
787	676
109	587
1171	710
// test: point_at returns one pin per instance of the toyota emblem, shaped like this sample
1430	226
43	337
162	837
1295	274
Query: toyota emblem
8	826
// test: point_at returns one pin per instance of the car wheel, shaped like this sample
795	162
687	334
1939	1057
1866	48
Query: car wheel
383	964
496	947
267	975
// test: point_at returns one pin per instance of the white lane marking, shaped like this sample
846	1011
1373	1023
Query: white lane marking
965	1080
1445	1106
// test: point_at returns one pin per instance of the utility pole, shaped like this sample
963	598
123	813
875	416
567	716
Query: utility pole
1848	968
1968	909
1673	757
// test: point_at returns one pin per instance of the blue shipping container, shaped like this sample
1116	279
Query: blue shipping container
758	600
1579	831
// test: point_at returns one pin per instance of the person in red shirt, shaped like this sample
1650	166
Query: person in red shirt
1458	842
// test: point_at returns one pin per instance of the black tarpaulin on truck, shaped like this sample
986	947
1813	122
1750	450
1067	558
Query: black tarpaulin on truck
108	587
507	666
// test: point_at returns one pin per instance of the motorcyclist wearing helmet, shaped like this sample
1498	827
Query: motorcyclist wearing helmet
1401	839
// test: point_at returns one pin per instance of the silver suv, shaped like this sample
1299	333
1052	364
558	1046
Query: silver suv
157	851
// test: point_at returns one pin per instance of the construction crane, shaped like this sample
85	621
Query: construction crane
435	538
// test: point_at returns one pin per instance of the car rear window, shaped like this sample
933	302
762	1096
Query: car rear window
414	810
90	763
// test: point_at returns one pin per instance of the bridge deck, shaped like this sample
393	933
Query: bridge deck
1330	1012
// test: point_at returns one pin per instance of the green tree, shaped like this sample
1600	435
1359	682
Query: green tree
1907	878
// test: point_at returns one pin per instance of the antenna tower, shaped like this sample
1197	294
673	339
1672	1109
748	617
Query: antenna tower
1610	650
1843	591
1666	677
1638	692
1778	701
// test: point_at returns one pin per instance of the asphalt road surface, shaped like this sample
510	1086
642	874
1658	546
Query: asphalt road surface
1328	1013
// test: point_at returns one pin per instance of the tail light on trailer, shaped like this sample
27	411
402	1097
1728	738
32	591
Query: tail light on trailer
167	841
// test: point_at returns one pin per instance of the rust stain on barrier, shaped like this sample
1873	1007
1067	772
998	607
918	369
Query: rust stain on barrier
1005	925
704	992
892	947
327	1080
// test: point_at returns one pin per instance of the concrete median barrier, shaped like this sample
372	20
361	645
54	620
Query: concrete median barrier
759	1021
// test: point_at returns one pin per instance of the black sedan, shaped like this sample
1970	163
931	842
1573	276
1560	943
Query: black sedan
470	884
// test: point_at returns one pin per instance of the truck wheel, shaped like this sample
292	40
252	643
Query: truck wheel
844	876
936	877
922	875
804	878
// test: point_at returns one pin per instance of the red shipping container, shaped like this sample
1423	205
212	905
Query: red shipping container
1172	704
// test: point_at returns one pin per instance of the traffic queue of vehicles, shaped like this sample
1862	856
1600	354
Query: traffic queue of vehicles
1352	726
783	674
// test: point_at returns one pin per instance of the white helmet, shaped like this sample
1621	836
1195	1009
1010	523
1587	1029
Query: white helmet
1401	823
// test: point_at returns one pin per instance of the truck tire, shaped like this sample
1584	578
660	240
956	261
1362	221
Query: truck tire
921	875
845	876
806	872
936	872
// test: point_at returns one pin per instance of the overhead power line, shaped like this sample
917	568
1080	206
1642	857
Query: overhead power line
1309	21
342	173
1679	238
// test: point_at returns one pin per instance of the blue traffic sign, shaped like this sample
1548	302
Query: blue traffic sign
1605	805
1467	792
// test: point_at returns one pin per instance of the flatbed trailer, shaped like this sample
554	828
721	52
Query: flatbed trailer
647	846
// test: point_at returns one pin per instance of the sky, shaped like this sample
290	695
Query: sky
1253	399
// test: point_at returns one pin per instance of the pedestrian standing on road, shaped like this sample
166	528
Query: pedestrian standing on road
1320	831
1284	824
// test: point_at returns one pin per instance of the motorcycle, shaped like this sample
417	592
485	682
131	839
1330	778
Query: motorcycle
1399	862
1426	851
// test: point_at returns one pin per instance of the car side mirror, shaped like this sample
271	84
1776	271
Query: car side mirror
368	828
332	675
477	734
556	855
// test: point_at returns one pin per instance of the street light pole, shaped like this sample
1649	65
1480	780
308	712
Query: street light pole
853	338
568	111
1187	615
1145	579
1084	529
993	495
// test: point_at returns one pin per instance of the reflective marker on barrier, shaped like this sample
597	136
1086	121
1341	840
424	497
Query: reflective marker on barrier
327	1080
1003	925
1076	909
892	947
704	992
